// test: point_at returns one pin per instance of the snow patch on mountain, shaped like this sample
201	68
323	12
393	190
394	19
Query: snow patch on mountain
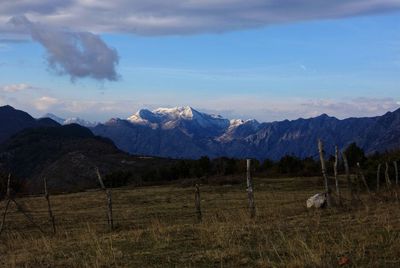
80	121
168	118
239	128
73	120
55	118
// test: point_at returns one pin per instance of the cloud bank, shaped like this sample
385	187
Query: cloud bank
15	87
160	17
77	54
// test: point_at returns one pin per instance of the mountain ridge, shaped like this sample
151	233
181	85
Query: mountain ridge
183	132
12	121
71	120
245	138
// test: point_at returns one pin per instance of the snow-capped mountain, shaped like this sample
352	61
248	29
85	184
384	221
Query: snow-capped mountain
54	117
72	120
80	121
183	132
168	118
239	128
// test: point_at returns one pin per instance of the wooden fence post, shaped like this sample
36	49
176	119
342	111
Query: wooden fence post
47	196
197	202
109	200
387	178
335	168
389	183
363	178
19	208
378	177
349	183
324	174
8	200
396	170
250	193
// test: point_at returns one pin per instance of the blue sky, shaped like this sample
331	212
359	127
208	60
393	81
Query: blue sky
340	66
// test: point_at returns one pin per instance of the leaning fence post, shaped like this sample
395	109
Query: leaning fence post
29	217
8	198
347	168
324	174
250	193
109	200
363	178
396	172
387	178
47	196
389	183
197	201
335	168
378	177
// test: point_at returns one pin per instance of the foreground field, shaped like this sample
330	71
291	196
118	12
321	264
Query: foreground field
157	227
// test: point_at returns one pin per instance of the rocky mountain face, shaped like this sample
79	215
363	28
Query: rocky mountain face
12	121
183	132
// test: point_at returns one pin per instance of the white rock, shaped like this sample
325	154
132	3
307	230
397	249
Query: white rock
317	201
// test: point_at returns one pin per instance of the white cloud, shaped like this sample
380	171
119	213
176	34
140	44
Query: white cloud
16	87
293	108
45	102
262	108
160	17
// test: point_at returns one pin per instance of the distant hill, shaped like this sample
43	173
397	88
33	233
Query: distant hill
12	121
183	132
67	156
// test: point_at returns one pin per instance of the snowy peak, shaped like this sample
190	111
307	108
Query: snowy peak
168	118
186	112
144	117
79	121
54	117
239	128
234	123
68	121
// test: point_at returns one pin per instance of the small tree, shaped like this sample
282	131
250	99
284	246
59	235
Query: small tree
355	155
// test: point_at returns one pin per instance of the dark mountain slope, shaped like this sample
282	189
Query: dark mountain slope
143	140
12	121
65	155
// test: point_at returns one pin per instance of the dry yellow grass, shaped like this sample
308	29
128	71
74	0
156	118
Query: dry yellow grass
156	227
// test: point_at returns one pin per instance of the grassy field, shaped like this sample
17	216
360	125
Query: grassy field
157	227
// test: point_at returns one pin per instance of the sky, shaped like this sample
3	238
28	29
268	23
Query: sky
268	60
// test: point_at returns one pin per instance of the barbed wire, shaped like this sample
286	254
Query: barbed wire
126	214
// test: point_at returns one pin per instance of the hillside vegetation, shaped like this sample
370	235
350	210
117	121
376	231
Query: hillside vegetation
157	227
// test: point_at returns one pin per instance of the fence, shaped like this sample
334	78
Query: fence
135	208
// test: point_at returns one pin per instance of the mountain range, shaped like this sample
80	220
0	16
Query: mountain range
67	155
183	132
